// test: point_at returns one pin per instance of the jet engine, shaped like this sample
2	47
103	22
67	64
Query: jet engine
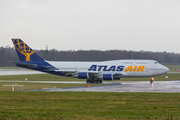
110	77
83	75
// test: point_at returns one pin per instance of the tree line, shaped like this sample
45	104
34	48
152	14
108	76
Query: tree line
9	54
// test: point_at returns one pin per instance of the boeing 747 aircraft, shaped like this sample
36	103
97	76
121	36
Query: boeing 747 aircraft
94	72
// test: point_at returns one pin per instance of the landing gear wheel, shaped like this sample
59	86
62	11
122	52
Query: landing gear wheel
151	81
99	81
88	81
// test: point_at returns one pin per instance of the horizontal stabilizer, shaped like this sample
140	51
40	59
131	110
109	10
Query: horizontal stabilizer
33	66
24	64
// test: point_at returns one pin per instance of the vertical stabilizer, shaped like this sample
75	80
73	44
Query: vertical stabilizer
24	52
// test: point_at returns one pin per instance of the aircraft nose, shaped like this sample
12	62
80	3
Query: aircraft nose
167	69
164	69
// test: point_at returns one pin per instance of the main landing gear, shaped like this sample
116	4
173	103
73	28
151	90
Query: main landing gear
93	81
151	81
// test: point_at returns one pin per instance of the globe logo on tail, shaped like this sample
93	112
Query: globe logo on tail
23	48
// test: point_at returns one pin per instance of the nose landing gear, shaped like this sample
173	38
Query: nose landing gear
151	81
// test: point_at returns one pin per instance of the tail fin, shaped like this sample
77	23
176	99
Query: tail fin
24	52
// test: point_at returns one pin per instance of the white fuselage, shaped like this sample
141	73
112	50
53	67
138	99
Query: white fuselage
121	68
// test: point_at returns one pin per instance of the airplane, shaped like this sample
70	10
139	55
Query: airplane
94	72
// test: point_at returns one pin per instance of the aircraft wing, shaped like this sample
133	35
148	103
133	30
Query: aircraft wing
75	71
66	71
118	74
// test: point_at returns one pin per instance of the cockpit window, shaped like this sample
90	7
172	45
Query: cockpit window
156	62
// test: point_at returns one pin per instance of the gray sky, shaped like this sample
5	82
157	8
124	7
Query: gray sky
150	25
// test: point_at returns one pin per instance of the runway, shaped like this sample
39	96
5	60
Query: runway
142	86
120	86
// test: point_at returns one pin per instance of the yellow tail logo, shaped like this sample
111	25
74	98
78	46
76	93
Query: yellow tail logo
23	48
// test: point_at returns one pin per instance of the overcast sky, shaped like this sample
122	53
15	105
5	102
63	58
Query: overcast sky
150	25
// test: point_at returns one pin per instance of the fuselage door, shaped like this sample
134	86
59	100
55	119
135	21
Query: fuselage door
146	69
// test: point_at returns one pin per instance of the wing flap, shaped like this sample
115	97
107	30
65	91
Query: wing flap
66	71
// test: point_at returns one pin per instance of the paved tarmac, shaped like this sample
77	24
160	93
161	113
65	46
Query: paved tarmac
143	86
120	86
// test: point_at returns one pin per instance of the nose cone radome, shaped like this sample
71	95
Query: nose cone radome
163	69
167	69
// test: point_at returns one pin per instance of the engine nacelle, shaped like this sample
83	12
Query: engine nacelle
110	77
107	77
83	75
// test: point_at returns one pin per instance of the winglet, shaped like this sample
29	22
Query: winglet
24	52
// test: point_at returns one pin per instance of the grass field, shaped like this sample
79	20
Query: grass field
89	106
173	66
